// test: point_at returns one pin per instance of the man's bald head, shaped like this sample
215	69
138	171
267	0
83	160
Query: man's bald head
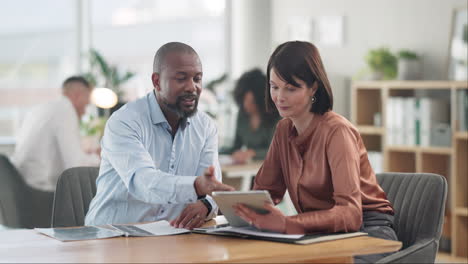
171	47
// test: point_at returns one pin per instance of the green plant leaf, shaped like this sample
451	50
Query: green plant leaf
408	54
91	78
382	60
211	85
101	62
127	76
101	69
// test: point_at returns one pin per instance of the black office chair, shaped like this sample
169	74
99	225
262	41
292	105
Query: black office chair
76	187
419	203
22	206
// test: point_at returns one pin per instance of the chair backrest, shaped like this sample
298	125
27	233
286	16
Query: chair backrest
76	187
13	195
22	206
419	203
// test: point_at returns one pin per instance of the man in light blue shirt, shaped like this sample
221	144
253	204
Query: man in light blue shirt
159	155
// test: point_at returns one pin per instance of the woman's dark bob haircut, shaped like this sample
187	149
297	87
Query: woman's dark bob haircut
301	60
253	81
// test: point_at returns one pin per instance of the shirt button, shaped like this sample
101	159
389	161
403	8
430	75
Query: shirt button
162	211
190	200
169	202
172	166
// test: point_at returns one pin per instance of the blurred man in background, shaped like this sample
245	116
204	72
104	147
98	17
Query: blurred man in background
49	139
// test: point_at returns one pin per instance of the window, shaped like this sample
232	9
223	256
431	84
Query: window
38	46
128	33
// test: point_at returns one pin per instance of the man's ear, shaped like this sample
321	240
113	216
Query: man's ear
155	79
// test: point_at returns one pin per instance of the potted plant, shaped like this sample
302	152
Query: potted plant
106	75
382	63
409	65
91	130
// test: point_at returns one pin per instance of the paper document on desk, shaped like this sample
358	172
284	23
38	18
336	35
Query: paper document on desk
160	228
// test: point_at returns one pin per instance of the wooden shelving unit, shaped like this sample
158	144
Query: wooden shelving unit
371	97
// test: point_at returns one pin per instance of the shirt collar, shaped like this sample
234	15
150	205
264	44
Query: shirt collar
300	139
157	116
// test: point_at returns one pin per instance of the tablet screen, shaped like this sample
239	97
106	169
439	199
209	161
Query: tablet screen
252	199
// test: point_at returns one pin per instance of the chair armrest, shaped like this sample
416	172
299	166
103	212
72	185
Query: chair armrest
423	251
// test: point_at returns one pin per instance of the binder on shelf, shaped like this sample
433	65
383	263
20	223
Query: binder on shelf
389	121
462	110
398	128
425	120
417	121
421	121
409	118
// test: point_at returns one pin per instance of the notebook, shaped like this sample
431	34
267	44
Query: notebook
254	233
160	228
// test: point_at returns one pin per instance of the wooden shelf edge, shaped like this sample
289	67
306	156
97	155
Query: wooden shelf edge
461	135
461	211
428	150
461	85
436	150
395	148
411	85
370	130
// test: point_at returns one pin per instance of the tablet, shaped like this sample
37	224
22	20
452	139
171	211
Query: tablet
253	199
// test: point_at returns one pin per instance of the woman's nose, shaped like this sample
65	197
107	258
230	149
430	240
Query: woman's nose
280	96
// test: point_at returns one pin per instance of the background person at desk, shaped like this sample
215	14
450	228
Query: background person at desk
154	148
49	139
255	126
317	155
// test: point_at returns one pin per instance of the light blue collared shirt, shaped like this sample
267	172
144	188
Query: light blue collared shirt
145	174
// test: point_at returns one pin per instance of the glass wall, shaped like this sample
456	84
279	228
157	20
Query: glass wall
38	47
128	33
39	43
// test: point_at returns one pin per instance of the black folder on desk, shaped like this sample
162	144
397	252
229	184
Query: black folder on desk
253	233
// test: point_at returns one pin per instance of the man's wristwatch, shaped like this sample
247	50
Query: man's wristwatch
207	204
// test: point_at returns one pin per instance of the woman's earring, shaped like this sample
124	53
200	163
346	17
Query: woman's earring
313	99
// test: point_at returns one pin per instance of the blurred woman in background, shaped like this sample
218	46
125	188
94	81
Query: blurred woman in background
255	126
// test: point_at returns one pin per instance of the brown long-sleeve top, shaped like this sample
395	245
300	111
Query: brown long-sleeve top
327	173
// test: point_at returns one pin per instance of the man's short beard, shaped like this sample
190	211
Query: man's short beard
177	107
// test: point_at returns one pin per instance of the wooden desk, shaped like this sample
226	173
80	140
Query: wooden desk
30	246
244	171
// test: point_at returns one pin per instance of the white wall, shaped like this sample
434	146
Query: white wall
250	35
420	25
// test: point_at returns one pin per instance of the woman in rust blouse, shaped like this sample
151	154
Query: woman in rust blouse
317	155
